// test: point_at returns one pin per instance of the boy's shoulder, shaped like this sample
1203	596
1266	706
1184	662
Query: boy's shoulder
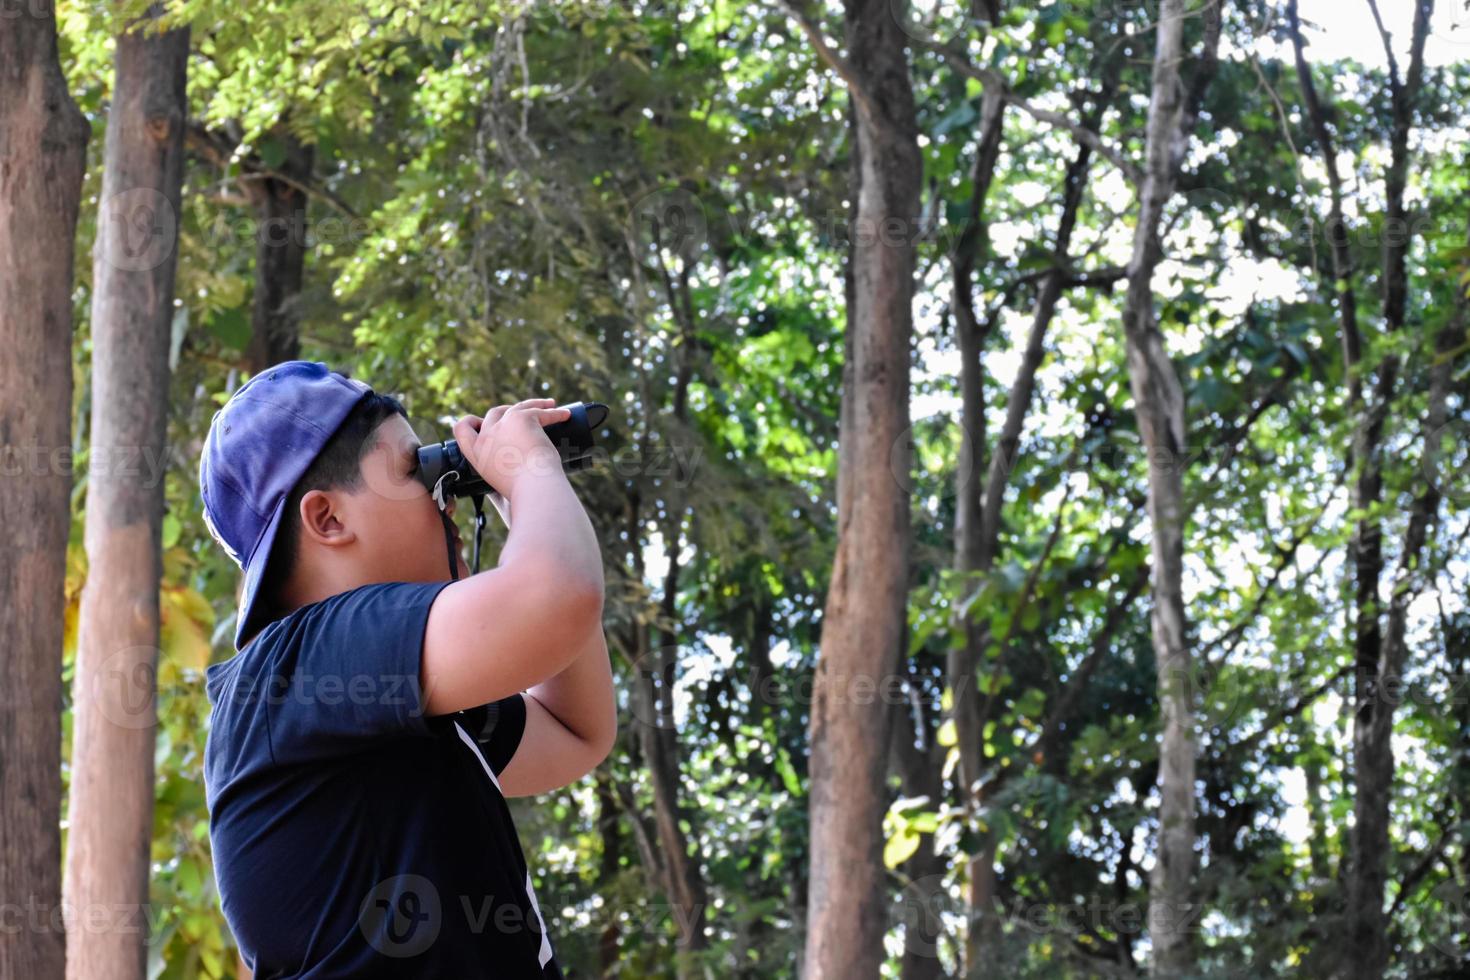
359	614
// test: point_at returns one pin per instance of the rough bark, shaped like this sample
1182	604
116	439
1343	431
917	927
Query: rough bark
111	801
280	201
1365	945
863	625
1159	405
43	138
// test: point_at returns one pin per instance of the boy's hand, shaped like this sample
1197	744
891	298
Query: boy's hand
511	442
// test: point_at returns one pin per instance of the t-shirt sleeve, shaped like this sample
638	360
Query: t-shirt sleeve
346	672
497	727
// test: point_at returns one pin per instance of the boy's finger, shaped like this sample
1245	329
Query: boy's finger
533	402
467	429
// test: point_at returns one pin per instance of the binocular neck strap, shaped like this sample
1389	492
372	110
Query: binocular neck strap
449	544
479	502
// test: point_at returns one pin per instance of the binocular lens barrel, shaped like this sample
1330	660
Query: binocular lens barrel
572	439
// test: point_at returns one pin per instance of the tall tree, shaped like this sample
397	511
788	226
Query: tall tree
111	800
978	517
494	164
863	623
1159	404
1376	661
971	557
686	886
43	141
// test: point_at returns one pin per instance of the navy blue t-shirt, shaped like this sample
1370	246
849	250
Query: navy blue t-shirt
353	835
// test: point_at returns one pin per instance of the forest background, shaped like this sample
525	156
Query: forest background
1034	501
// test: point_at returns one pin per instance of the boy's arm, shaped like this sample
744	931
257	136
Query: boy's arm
532	624
524	622
571	719
571	723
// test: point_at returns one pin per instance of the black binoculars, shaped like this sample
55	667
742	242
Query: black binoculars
443	461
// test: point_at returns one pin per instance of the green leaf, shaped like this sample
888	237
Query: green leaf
900	847
232	327
272	152
189	877
787	772
171	529
923	821
1031	703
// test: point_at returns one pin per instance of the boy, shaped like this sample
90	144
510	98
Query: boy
382	705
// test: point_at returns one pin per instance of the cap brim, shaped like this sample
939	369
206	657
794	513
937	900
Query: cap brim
254	572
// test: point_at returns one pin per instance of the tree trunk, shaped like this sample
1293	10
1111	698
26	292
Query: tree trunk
1365	949
761	669
609	940
661	747
863	624
678	874
918	762
1159	404
43	140
280	257
659	666
970	554
1372	738
111	803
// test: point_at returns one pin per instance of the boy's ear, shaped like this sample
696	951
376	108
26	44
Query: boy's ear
321	519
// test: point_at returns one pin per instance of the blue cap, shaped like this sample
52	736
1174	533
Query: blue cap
259	445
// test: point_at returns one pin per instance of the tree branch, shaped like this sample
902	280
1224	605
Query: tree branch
1411	880
1092	278
218	151
1342	256
988	77
835	61
1393	65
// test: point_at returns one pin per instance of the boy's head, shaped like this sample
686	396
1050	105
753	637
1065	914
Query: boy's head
308	480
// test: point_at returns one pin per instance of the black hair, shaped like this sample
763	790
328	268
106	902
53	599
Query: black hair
337	467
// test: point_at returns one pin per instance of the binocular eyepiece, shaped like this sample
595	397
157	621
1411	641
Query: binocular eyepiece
444	470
